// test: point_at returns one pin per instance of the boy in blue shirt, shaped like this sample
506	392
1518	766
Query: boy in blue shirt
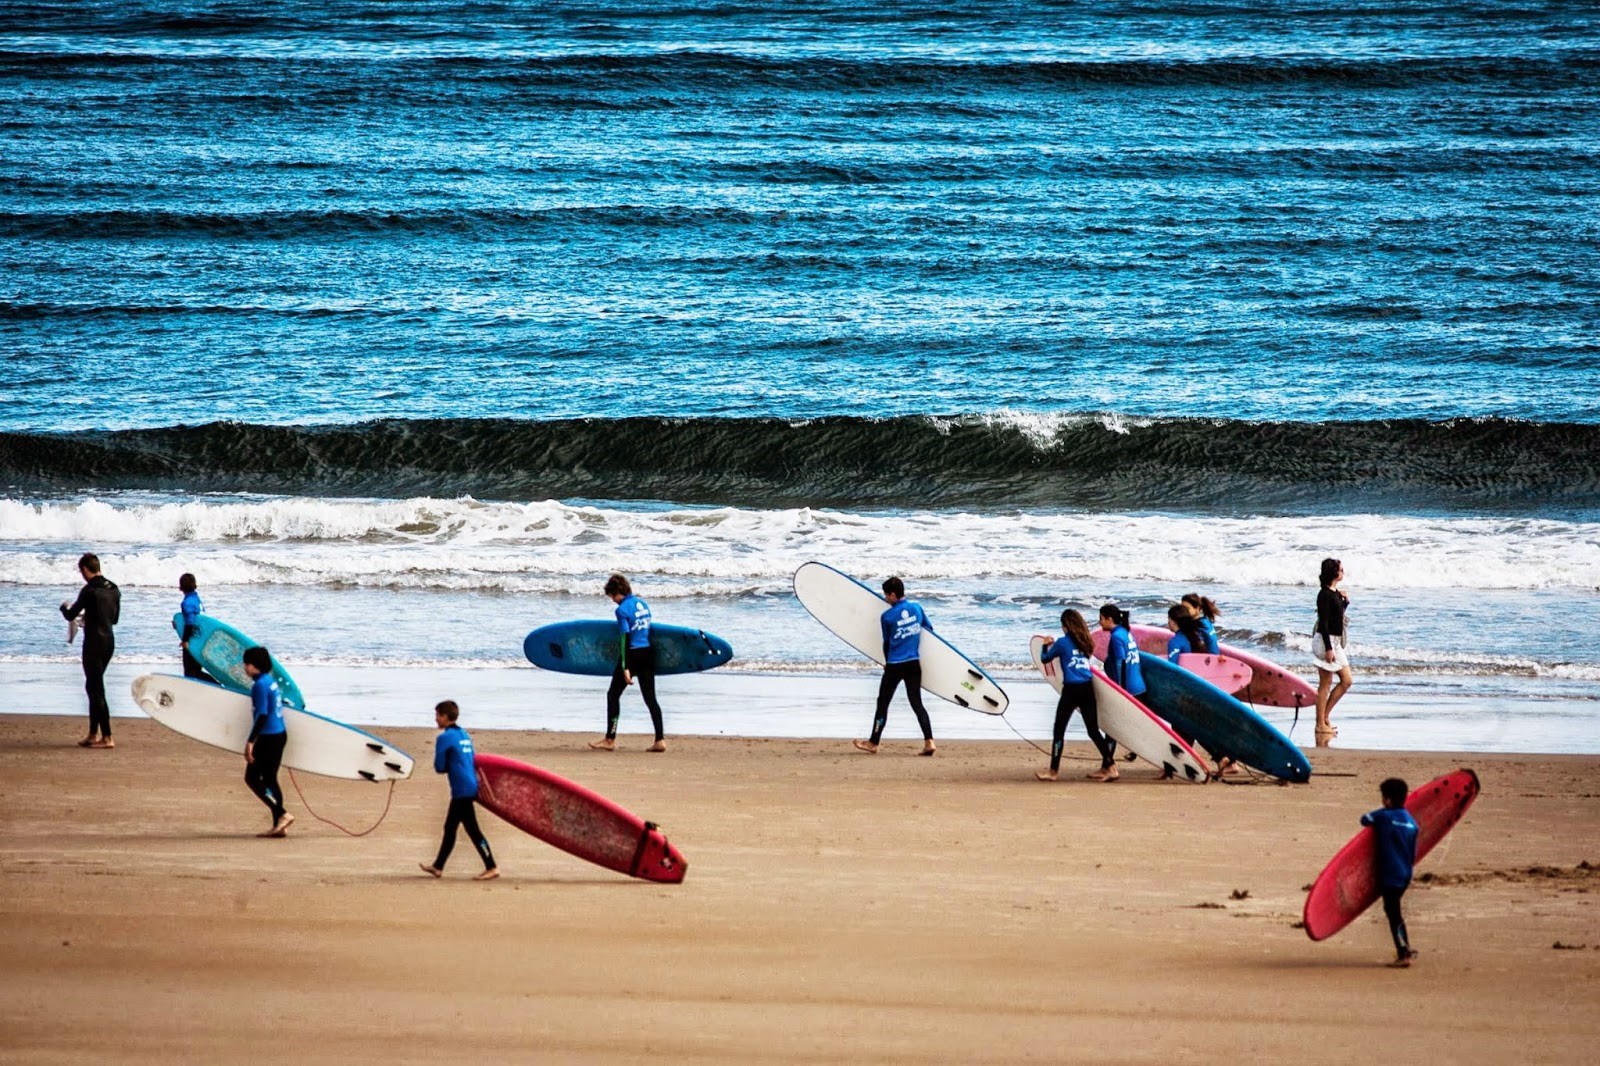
636	661
1396	833
189	628
452	754
902	625
263	751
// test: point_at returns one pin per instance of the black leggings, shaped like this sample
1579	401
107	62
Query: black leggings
1078	696
261	774
192	668
463	814
893	675
642	665
96	657
1397	924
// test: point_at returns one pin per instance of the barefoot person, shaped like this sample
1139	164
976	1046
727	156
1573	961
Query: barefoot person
189	627
902	626
1122	665
1396	833
636	661
263	752
99	603
1073	648
1328	647
452	754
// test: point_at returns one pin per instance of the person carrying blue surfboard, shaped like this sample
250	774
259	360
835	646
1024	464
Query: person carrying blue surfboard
636	661
263	751
452	755
1395	831
902	626
190	627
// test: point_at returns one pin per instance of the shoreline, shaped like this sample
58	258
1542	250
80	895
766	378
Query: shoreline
837	907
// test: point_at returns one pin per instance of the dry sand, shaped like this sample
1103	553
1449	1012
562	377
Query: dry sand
838	907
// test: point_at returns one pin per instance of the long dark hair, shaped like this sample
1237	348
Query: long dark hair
1077	631
1117	615
1330	571
1202	606
1189	625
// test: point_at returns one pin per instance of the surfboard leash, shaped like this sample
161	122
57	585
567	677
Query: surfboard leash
1046	751
388	800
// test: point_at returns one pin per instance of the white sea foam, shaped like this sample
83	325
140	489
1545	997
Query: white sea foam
548	546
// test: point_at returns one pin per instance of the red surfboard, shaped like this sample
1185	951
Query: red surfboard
579	822
1348	885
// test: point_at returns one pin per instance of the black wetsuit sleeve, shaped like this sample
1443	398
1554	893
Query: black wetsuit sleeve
69	613
111	604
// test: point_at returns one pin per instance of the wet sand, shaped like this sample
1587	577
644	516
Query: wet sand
838	907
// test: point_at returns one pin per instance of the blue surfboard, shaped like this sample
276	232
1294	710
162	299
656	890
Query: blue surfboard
1200	711
590	647
220	649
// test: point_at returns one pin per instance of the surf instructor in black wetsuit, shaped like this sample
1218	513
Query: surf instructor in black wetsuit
100	604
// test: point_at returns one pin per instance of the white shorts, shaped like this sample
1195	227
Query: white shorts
1319	652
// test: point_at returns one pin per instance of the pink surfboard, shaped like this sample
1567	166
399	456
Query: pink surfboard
580	822
1348	885
1270	684
1223	671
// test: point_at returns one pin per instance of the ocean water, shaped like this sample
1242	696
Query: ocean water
401	326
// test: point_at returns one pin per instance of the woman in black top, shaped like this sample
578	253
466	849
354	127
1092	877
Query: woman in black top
1328	647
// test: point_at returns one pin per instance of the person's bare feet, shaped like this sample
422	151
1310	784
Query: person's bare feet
1045	775
928	748
603	744
1110	773
866	745
281	829
104	742
430	869
659	745
89	741
1402	963
489	874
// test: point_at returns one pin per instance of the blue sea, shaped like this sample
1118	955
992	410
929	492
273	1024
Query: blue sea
403	325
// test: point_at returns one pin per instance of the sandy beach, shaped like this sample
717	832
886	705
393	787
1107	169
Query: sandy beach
838	907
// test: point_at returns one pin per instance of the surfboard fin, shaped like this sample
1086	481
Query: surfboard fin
396	767
375	747
974	673
991	701
368	775
963	702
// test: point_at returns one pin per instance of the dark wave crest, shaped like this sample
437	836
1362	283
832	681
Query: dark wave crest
1087	462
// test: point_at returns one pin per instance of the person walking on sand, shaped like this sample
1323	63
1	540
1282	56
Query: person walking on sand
902	626
99	603
189	627
263	752
1074	648
1328	647
452	755
1395	833
636	661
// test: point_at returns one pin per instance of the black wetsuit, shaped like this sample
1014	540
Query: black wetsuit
100	604
909	672
641	663
1079	696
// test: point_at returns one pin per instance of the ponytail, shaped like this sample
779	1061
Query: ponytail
1202	606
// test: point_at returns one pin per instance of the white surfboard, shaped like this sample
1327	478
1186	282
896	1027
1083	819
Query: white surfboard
213	715
1130	723
850	610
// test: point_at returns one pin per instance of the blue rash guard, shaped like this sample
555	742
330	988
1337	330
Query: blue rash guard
1122	662
1396	831
1074	664
452	754
266	702
1177	645
902	631
1209	631
633	621
191	614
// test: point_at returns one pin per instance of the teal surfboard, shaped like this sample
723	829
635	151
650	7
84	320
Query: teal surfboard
1199	711
591	646
220	649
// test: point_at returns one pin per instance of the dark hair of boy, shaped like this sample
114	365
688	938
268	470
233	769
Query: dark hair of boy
259	658
89	562
617	585
186	583
1394	792
894	587
447	708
